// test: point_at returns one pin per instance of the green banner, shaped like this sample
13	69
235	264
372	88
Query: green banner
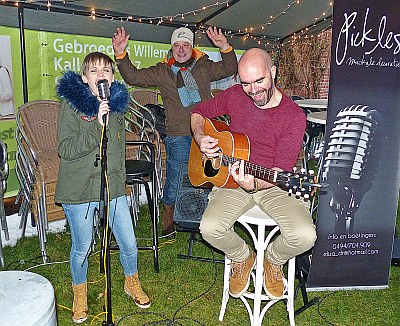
48	55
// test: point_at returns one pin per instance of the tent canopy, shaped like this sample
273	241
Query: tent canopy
248	23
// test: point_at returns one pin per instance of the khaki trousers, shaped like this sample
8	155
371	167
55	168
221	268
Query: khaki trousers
291	214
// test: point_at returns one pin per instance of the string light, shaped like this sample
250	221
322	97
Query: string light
247	33
303	34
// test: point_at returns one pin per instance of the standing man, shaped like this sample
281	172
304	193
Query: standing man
183	79
275	126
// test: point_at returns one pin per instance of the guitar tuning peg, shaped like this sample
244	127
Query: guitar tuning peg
311	172
306	197
298	193
303	170
290	191
294	169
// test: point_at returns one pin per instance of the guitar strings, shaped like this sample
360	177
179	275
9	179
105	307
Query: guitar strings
259	171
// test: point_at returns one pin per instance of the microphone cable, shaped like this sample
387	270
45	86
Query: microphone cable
106	224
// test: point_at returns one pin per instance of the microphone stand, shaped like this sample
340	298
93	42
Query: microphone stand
103	215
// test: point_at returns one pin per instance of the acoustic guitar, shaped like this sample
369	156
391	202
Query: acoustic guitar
213	171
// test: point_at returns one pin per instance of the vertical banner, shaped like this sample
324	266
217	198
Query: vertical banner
357	210
48	55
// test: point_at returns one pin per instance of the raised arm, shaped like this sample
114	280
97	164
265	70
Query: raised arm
120	41
218	39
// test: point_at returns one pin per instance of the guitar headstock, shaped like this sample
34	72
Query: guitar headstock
299	183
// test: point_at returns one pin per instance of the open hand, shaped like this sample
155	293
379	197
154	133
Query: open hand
120	41
218	39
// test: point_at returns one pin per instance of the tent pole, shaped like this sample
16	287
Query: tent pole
23	53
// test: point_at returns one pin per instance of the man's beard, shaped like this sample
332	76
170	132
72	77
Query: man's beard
269	92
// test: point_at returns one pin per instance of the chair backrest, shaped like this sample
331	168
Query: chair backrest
143	96
39	120
140	123
138	127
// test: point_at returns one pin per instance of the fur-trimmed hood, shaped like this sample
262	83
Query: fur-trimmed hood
72	89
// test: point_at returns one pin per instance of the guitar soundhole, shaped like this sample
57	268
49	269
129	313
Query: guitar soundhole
209	171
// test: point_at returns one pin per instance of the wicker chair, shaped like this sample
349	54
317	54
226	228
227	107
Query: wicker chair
142	96
37	145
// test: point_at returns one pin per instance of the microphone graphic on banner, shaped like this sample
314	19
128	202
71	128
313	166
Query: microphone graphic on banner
351	162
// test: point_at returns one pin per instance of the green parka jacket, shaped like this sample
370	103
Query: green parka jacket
79	137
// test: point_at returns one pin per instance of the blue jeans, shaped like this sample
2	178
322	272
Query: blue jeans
80	220
177	149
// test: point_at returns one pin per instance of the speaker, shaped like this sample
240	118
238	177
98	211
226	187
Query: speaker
190	201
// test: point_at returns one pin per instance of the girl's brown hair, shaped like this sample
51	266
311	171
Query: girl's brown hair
96	57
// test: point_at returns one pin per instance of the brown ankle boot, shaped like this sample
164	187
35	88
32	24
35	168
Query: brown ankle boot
79	306
167	220
273	280
133	288
239	279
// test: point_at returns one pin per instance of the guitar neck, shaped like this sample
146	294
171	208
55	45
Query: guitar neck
255	170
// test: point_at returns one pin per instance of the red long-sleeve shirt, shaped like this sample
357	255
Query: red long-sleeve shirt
275	134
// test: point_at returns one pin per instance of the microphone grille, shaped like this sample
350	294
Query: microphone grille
104	89
351	140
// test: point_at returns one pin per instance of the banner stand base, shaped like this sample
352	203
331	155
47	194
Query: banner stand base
347	288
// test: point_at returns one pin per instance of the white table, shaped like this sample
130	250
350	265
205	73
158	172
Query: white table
317	117
313	103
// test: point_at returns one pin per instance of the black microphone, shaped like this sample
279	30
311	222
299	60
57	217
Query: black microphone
104	93
351	161
104	89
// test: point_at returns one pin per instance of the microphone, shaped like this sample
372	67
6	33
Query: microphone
104	93
104	89
351	161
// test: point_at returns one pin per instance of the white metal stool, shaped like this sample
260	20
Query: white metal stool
255	216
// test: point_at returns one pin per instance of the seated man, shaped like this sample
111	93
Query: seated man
275	126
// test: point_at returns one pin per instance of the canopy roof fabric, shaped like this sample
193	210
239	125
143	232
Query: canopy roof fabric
248	23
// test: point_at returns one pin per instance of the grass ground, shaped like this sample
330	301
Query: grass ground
187	291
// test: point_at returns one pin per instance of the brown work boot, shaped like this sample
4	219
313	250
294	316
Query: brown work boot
168	220
273	280
79	306
239	279
133	288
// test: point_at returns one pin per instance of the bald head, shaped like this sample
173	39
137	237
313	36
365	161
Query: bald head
256	56
257	72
